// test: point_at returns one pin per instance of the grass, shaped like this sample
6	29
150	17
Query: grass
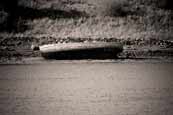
126	21
96	19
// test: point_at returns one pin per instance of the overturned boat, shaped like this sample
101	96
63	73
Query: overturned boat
96	50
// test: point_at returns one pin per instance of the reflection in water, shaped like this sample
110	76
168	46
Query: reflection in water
87	89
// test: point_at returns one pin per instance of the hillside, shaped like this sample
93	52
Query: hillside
134	23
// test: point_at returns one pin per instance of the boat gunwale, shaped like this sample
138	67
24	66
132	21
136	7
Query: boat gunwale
78	46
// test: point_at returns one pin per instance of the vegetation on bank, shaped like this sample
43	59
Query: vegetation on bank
121	19
40	21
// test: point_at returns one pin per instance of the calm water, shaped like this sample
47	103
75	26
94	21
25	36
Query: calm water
87	88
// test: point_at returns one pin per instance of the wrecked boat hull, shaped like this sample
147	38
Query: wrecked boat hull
81	51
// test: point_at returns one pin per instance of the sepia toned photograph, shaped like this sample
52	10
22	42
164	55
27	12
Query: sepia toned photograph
86	57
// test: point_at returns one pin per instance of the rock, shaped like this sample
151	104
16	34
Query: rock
35	47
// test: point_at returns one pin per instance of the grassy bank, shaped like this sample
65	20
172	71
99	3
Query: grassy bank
144	28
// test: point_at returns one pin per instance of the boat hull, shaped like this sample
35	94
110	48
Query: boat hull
81	51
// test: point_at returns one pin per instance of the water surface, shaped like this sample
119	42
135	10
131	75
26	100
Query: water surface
87	88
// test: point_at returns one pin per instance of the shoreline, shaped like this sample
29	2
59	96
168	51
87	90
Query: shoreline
40	60
139	49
